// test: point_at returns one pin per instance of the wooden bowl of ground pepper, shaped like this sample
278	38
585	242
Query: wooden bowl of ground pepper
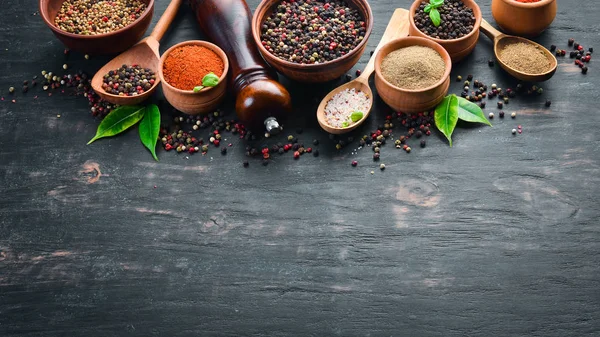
97	27
524	17
459	29
182	69
412	74
312	41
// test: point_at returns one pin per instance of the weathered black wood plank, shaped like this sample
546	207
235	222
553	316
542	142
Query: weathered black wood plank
496	236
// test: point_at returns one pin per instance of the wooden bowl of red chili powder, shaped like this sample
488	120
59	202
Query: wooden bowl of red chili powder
182	68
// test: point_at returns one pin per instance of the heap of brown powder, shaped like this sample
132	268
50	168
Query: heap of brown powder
525	57
414	67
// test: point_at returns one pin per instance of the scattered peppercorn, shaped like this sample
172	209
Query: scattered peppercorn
358	72
491	62
501	114
571	41
246	163
11	90
423	143
584	70
552	48
591	50
382	167
491	115
514	131
500	104
354	163
376	156
513	115
458	78
548	103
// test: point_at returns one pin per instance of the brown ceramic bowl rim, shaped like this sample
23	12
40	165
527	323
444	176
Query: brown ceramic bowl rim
52	26
540	3
207	44
415	41
257	22
476	11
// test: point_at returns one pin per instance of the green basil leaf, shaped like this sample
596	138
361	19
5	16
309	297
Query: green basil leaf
435	17
356	116
198	88
427	8
471	112
210	80
436	3
345	124
446	116
119	120
149	128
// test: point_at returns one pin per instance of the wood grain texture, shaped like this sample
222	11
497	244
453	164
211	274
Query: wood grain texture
496	236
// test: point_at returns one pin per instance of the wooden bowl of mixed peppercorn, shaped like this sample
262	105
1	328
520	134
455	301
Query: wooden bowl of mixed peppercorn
97	27
457	29
524	17
315	41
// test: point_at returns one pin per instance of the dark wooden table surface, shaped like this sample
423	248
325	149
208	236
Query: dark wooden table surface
496	236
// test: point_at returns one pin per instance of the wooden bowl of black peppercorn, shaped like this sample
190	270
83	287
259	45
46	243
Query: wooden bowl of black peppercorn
106	43
458	42
336	45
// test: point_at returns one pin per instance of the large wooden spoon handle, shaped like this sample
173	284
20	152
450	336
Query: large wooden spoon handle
165	20
396	28
490	31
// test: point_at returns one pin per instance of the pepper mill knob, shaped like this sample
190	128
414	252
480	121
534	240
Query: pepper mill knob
261	103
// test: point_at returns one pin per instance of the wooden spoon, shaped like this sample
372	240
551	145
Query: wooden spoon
501	40
145	53
397	28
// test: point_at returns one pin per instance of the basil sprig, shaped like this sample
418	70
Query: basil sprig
434	14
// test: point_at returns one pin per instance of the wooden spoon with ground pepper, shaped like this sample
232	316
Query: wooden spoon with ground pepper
145	54
397	28
502	40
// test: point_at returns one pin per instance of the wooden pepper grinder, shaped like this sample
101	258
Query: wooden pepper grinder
260	99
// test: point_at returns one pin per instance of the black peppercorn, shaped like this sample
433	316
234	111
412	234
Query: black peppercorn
348	77
500	104
571	41
246	163
584	70
423	143
482	105
491	62
548	103
469	77
591	50
552	48
575	45
501	114
315	152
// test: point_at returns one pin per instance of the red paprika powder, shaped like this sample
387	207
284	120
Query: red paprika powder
185	66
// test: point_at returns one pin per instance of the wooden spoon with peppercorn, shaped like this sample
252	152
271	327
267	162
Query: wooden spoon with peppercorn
502	40
144	54
396	28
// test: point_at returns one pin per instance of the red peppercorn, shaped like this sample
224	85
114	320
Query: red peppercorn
216	142
354	163
296	155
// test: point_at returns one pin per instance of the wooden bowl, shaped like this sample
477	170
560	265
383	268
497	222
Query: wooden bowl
457	48
188	101
109	43
406	100
524	19
312	73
